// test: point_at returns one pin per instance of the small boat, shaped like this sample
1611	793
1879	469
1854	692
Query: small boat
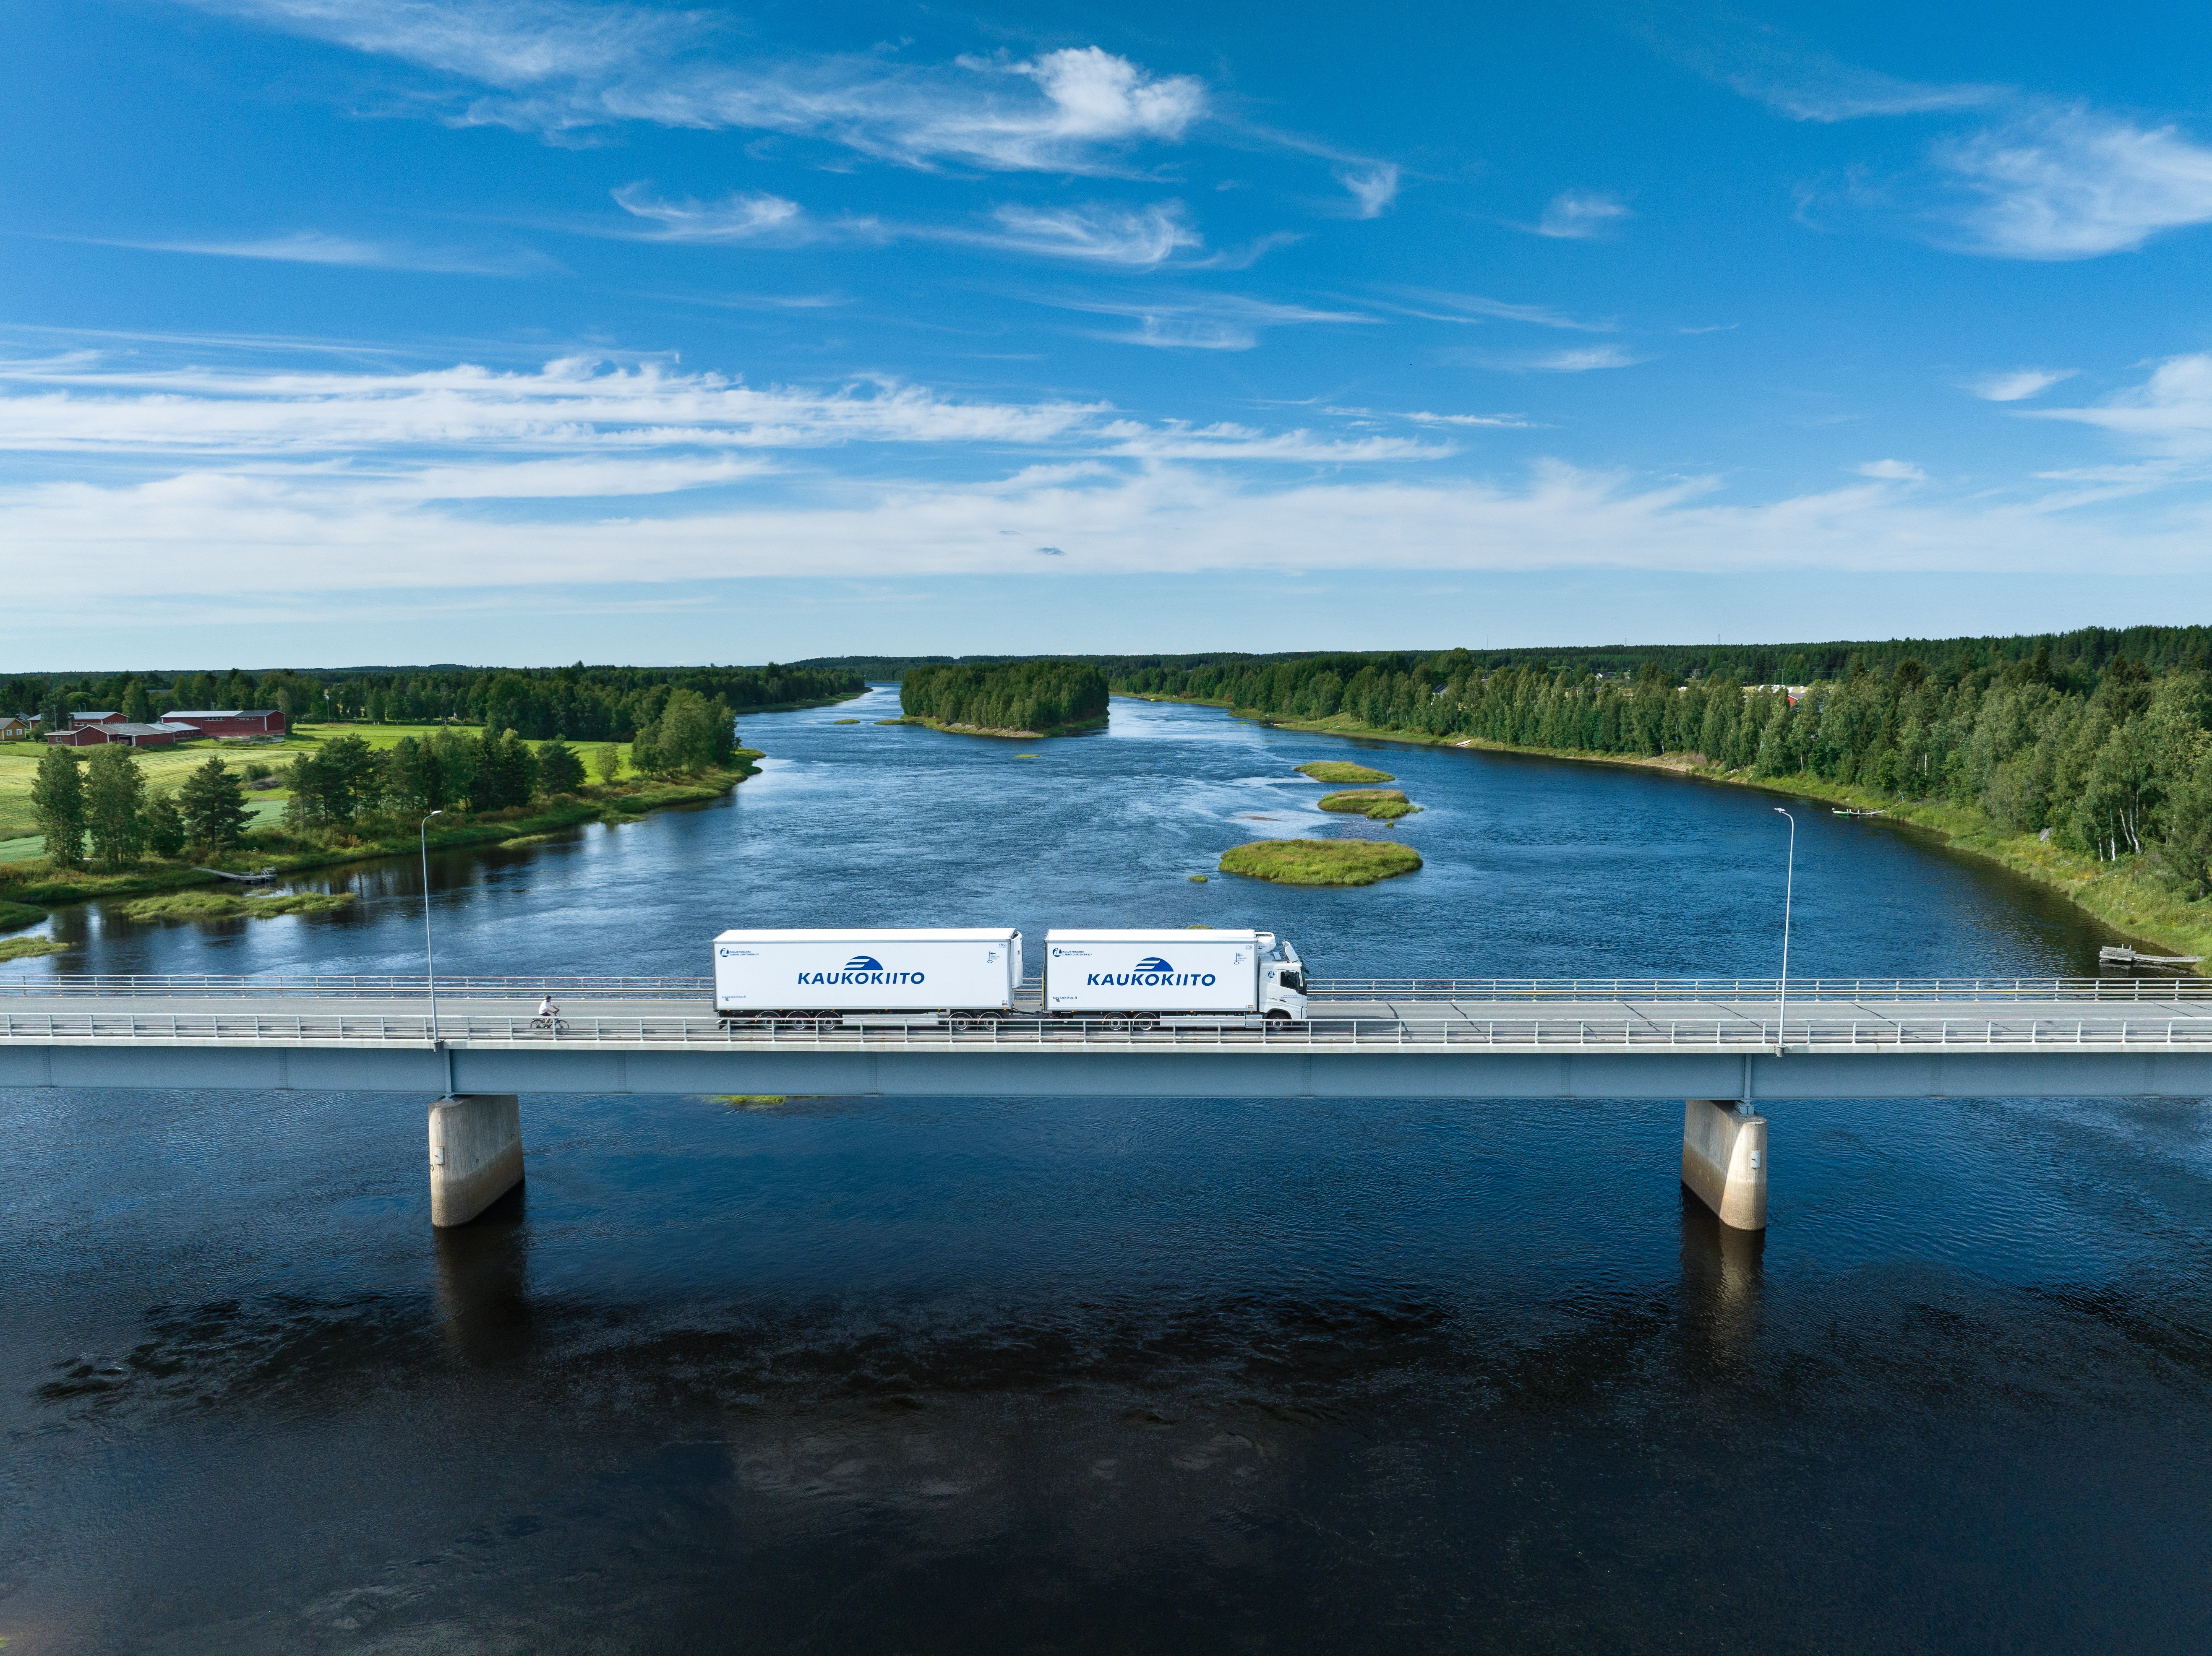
1853	810
2112	955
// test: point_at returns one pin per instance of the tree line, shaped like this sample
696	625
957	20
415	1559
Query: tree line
1043	696
2109	757
576	703
101	810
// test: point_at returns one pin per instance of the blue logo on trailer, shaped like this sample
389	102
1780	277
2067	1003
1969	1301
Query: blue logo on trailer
1150	972
859	971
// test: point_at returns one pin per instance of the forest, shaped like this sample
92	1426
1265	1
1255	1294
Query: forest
1045	697
2097	741
576	704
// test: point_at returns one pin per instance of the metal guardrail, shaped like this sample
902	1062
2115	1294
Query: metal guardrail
1688	1036
1758	989
466	988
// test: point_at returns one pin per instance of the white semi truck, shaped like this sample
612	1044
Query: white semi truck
916	975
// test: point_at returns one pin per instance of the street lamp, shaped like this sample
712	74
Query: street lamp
429	958
1789	886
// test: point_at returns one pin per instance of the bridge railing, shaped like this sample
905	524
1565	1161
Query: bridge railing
1870	1035
1756	989
464	986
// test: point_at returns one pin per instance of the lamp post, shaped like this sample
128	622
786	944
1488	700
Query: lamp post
429	957
1789	888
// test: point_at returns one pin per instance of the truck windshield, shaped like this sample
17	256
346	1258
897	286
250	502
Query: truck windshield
1295	980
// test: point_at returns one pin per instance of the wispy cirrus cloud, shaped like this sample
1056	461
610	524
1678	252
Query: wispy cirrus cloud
744	217
1585	358
1892	472
2169	416
1373	186
2018	383
1794	77
1207	322
1580	215
559	66
1476	308
322	248
1096	234
2069	182
2039	178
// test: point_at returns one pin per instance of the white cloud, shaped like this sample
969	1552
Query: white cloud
570	406
738	217
184	533
1373	187
556	66
320	247
2018	385
1580	215
2070	183
345	480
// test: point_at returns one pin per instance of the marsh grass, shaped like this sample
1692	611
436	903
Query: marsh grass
232	905
1339	770
1380	804
14	917
1320	862
23	948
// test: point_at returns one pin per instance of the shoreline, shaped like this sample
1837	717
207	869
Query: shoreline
633	802
2111	893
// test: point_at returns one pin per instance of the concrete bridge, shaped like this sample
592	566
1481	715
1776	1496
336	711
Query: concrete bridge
1723	1045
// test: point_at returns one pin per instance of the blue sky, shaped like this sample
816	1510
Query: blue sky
349	330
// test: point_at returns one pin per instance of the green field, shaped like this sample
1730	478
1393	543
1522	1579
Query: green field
1320	862
165	769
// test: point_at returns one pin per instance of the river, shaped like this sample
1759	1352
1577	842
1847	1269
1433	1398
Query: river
1114	1375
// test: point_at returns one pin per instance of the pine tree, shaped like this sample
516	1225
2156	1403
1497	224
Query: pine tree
559	770
115	804
165	827
214	802
58	797
138	705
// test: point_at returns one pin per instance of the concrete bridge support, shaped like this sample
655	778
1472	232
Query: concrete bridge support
1725	1161
476	1154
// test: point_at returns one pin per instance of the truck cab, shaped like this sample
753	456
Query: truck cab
1282	980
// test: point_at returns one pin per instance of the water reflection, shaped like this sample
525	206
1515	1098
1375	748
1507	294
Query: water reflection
1724	1276
484	1284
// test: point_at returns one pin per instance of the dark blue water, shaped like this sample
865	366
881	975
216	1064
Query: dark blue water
1117	1375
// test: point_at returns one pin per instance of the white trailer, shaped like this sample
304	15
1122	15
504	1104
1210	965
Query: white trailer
1199	974
762	973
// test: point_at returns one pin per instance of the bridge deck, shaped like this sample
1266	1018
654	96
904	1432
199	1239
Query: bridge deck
1510	1041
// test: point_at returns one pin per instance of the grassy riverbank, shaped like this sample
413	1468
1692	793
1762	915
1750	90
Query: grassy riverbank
2127	895
37	884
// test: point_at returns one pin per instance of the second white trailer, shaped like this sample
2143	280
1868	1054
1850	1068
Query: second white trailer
1104	972
882	969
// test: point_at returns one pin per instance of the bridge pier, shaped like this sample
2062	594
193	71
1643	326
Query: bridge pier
476	1154
1725	1161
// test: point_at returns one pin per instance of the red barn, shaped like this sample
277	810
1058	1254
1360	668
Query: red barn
81	735
230	723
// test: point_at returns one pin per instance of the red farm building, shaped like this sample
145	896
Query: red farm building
229	724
